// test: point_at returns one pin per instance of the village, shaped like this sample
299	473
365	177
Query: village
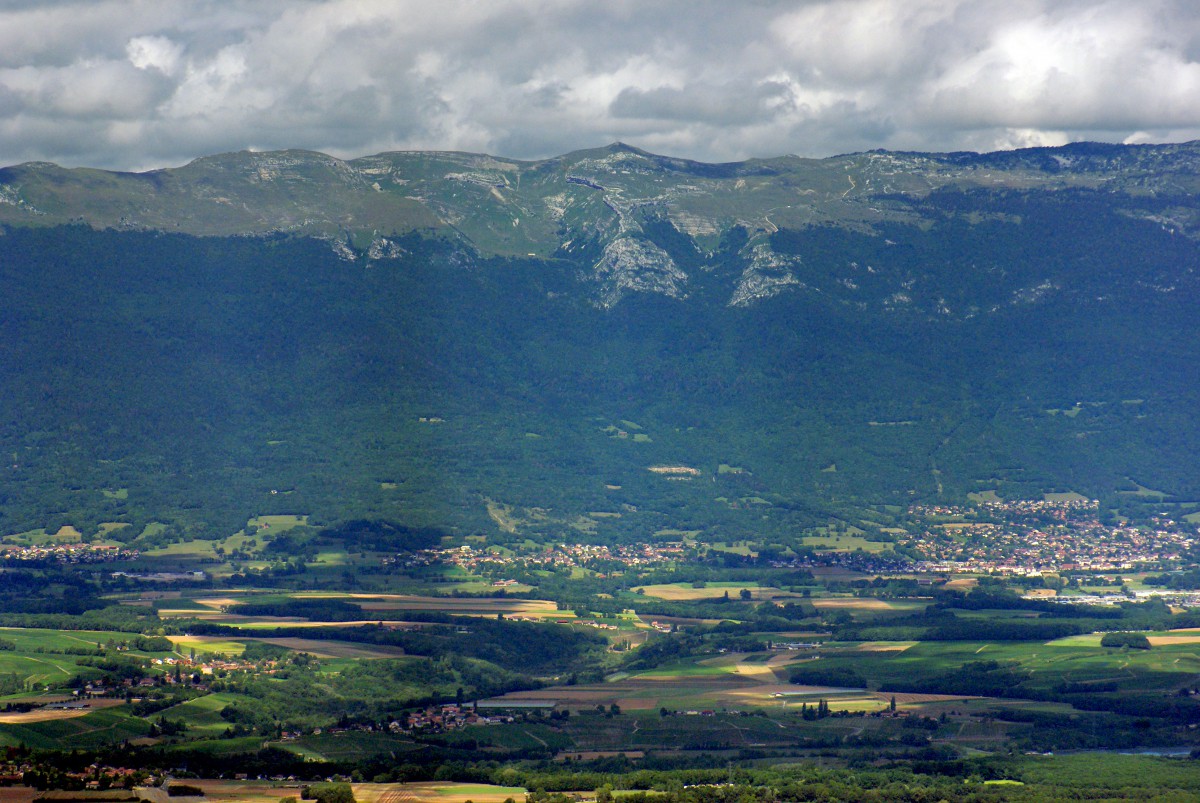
1029	538
66	553
566	556
1018	538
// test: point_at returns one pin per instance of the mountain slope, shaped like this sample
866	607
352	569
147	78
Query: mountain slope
290	333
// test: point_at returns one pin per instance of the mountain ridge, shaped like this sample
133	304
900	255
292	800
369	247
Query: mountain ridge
592	206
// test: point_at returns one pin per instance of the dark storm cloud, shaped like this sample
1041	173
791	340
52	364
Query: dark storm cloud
131	84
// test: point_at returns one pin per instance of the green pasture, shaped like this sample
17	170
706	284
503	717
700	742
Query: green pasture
1069	496
686	670
272	525
179	549
37	537
203	714
843	543
30	639
206	645
40	656
39	670
238	746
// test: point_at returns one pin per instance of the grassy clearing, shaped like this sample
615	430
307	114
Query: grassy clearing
843	543
1084	640
1069	496
28	538
207	645
191	549
270	525
203	714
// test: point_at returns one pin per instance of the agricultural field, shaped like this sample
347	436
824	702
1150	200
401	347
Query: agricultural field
350	663
684	592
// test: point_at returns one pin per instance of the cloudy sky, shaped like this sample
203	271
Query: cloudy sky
126	84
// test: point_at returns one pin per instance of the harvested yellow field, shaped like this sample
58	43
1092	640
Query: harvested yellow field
886	646
217	603
760	671
51	714
683	591
440	791
1163	641
853	603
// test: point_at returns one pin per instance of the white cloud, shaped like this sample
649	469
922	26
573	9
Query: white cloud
154	53
137	83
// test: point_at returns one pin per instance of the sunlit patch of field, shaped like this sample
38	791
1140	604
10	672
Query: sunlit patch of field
67	534
962	583
30	537
184	548
277	524
1084	640
709	687
886	646
843	543
1069	496
216	603
467	606
439	791
207	645
472	605
335	649
860	604
246	791
717	683
788	695
318	647
683	592
1164	641
758	671
736	547
52	714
